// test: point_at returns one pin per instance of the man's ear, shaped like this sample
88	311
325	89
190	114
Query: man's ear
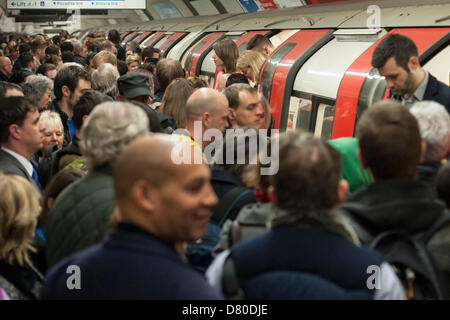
14	131
343	188
142	194
423	149
206	116
413	63
361	160
272	195
65	91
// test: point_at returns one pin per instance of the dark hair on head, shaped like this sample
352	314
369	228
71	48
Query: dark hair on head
69	76
37	44
153	120
198	83
67	56
389	140
236	78
168	70
13	110
66	46
90	35
86	104
52	59
114	36
443	184
56	40
174	100
308	175
122	67
52	49
147	52
227	50
150	67
394	45
258	41
24	48
5	86
44	68
58	183
232	93
25	59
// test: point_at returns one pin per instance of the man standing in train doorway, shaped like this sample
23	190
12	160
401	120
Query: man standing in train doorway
397	59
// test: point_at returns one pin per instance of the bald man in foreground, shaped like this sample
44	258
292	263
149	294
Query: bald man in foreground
206	110
161	205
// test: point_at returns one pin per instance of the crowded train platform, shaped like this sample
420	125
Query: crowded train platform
289	154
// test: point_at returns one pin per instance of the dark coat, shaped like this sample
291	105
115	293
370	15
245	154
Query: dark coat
80	215
403	204
435	91
130	264
20	283
53	106
3	77
10	165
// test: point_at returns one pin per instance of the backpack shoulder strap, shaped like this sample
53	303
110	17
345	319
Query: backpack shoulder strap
230	282
226	203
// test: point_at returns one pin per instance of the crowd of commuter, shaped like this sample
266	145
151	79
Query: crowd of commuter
122	179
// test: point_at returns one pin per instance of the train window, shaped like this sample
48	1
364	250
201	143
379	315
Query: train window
162	40
208	70
189	56
300	110
180	50
271	67
324	121
435	65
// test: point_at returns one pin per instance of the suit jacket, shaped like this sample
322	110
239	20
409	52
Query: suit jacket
130	264
10	165
435	91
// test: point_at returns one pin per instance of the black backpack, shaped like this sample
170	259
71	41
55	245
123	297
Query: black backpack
412	261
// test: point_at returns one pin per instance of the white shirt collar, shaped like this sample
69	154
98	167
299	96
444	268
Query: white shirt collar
23	161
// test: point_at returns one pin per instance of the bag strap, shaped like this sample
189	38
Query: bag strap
230	282
228	201
443	220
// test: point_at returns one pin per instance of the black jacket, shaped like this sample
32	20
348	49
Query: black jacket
435	91
53	106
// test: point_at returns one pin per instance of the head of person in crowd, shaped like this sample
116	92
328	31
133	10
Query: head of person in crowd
6	68
397	59
236	78
306	163
108	129
249	63
89	41
104	80
134	86
58	183
55	60
246	106
174	100
389	140
47	69
20	129
70	83
67	56
56	40
133	61
122	67
168	70
8	89
38	48
209	108
114	36
19	211
198	82
443	184
53	130
143	70
171	201
226	54
103	57
24	48
261	44
65	35
153	120
352	171
133	47
150	55
53	50
434	125
27	61
66	46
38	88
78	48
108	46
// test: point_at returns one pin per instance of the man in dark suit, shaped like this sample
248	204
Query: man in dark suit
162	204
397	59
21	135
5	68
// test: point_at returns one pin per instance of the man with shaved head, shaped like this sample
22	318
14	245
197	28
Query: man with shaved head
161	205
206	109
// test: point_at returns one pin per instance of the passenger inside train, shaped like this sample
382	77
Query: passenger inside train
299	159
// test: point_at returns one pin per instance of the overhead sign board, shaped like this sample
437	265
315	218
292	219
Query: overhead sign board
75	4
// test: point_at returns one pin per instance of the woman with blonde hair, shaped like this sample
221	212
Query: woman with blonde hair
225	55
19	210
53	134
174	100
249	63
133	60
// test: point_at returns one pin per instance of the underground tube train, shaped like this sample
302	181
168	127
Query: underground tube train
319	77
